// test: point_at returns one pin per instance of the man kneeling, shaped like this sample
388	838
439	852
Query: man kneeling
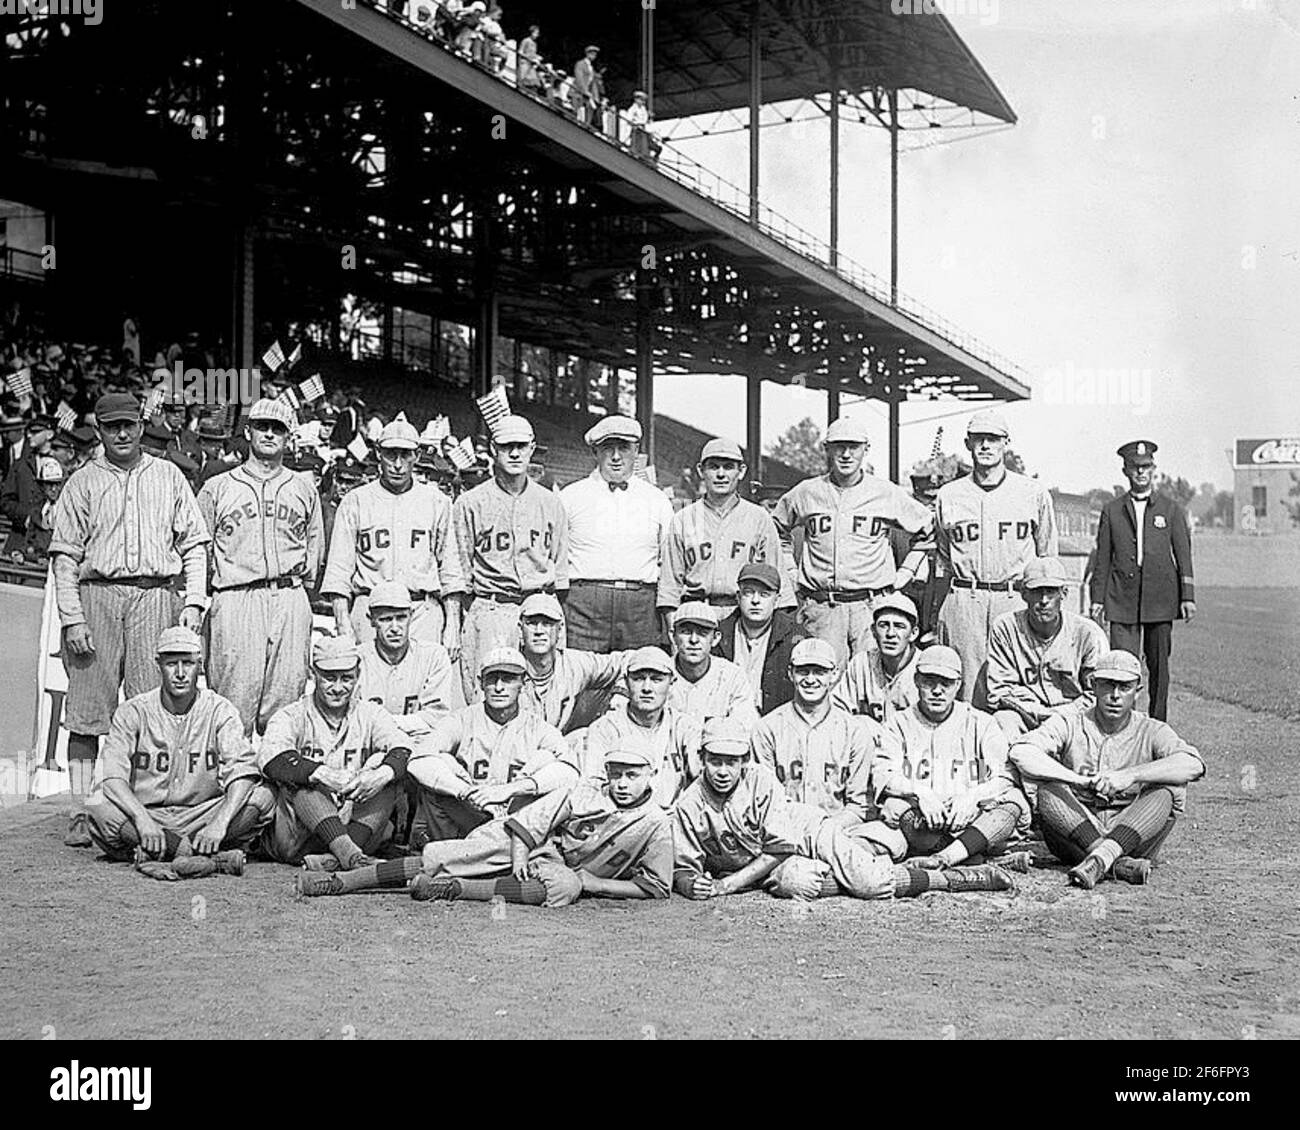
611	842
180	788
735	830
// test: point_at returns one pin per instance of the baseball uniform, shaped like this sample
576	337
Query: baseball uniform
416	690
706	548
267	543
723	691
407	537
510	545
578	690
1044	675
179	767
121	538
985	536
846	557
672	748
825	763
867	688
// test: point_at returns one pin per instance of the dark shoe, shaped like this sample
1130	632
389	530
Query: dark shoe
1088	873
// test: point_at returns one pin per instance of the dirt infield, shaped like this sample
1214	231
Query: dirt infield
1209	950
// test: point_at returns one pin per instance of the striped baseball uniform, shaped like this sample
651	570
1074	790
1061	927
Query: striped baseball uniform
824	763
1043	674
706	549
722	692
408	537
866	688
579	689
416	690
263	530
510	545
120	540
673	747
987	535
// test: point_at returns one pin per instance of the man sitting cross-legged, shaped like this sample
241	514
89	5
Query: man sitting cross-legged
734	828
607	842
337	762
1111	781
180	791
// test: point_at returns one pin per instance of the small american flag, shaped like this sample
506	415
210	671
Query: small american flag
294	357
20	384
313	388
153	402
437	429
462	455
289	397
494	406
66	417
273	358
358	448
645	471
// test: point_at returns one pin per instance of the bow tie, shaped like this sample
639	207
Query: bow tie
618	486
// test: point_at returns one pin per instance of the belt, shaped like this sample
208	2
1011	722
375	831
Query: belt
416	594
985	586
822	596
133	582
512	597
623	586
266	583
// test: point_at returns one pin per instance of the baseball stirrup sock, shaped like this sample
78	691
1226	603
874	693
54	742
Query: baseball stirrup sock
317	811
531	892
243	825
912	881
393	874
1060	811
1142	821
991	828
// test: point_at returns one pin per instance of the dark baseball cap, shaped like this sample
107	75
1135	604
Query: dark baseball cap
761	573
113	406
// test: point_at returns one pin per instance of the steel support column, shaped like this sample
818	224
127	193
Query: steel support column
243	324
754	427
895	400
485	315
835	160
645	361
647	62
755	98
893	197
832	399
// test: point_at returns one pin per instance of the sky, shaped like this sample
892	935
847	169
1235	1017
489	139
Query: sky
1141	217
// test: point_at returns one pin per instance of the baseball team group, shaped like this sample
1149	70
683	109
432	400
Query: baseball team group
537	695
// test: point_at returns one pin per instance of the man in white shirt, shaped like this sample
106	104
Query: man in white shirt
617	528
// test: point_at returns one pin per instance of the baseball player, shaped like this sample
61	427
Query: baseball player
267	542
941	776
617	527
647	725
820	752
336	762
709	541
988	526
1041	658
846	560
758	637
513	537
179	788
1111	781
396	529
491	757
734	829
125	528
411	679
707	685
881	682
566	687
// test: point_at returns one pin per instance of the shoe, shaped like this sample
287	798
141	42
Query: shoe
78	834
155	869
1088	873
1131	870
322	862
229	862
986	877
312	883
926	863
427	888
1020	861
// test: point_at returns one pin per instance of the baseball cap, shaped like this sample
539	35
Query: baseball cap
541	604
813	653
622	755
400	434
390	594
613	427
275	410
722	449
513	429
49	471
1119	666
760	573
696	612
845	430
896	602
115	406
987	424
503	659
1137	449
650	658
329	653
939	660
1044	573
725	736
178	641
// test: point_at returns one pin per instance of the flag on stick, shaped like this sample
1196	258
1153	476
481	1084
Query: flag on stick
66	417
358	448
153	402
273	358
20	384
294	357
462	455
313	388
493	407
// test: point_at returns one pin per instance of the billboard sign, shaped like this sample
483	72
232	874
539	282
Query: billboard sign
1265	453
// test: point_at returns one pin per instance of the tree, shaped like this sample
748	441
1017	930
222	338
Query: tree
1180	490
1098	498
800	447
1223	512
1293	508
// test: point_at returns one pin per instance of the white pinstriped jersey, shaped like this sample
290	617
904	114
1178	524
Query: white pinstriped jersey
866	688
705	550
1048	673
991	534
512	544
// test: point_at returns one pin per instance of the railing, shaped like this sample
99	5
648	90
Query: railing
500	57
15	262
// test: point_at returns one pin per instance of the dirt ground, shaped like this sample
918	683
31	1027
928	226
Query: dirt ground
1208	951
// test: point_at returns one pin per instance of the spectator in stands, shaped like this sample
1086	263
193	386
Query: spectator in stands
13	437
644	143
494	39
21	489
530	79
40	519
469	39
348	407
599	103
584	74
85	446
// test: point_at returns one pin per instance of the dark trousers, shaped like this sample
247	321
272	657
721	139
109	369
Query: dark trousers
1156	641
604	619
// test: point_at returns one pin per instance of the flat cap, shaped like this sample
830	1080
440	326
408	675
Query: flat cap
213	427
939	660
116	406
1119	666
541	604
726	736
390	594
722	449
813	653
178	641
513	429
1137	449
1044	573
696	612
896	602
625	755
400	434
759	573
329	653
276	411
987	423
613	427
650	658
503	659
844	430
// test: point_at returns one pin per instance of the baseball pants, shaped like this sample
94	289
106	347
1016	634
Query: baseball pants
1154	642
859	870
107	823
846	627
484	853
446	818
1071	829
287	839
427	619
124	623
604	619
487	624
965	621
259	650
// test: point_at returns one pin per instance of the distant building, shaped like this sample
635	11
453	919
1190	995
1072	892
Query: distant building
1266	470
